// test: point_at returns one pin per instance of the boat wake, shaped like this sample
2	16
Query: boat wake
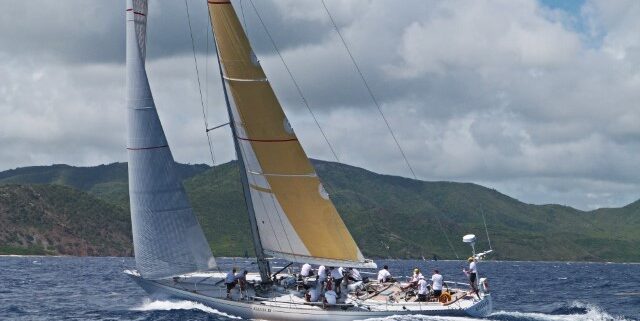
162	305
573	312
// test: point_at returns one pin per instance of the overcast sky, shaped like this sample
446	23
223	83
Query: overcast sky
537	100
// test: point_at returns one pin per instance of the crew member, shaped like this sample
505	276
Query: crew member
472	273
322	274
330	296
384	275
337	274
230	282
353	275
423	289
437	280
413	281
241	279
306	270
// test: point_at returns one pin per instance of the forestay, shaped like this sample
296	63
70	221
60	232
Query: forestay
167	238
295	218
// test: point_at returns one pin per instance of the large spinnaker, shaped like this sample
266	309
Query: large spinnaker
167	238
295	218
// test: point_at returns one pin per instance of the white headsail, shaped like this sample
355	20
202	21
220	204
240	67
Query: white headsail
167	238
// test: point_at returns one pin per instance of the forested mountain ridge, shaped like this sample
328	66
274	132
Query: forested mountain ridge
389	216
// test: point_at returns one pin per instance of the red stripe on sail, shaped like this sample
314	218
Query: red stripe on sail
268	140
147	148
218	2
135	12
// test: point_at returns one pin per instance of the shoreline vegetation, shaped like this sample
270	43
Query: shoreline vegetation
253	258
83	211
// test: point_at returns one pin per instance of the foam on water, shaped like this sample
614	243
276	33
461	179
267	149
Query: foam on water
150	305
574	312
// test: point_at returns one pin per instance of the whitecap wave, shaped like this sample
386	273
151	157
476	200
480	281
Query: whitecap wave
591	313
160	305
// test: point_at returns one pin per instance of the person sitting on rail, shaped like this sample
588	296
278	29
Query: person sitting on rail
384	275
312	295
353	275
413	281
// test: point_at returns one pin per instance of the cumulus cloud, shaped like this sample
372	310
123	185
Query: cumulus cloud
538	102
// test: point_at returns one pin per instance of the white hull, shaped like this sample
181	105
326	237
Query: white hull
282	310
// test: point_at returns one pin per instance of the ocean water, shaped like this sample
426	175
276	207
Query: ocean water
69	288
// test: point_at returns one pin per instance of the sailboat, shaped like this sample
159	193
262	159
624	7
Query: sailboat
291	215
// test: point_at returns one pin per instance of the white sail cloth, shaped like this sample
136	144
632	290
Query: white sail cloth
167	238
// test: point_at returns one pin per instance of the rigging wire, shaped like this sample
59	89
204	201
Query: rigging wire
485	228
382	115
244	21
295	83
206	78
195	60
366	85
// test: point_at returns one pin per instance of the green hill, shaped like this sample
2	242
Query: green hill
55	219
390	217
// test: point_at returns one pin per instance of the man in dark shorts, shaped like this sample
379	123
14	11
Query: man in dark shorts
423	289
436	282
230	282
473	274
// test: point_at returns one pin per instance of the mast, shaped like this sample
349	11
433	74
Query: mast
263	264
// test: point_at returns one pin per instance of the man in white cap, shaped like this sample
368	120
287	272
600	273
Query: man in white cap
472	273
423	289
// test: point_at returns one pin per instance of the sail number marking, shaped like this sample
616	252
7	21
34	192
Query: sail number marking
261	309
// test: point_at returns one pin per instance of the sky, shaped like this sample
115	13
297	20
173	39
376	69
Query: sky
536	99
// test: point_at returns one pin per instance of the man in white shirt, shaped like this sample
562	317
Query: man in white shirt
423	289
337	274
230	282
306	271
353	275
322	274
437	281
313	295
384	275
472	273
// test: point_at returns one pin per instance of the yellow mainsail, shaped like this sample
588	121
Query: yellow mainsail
295	218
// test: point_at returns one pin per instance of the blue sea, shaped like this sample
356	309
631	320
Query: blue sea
73	288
